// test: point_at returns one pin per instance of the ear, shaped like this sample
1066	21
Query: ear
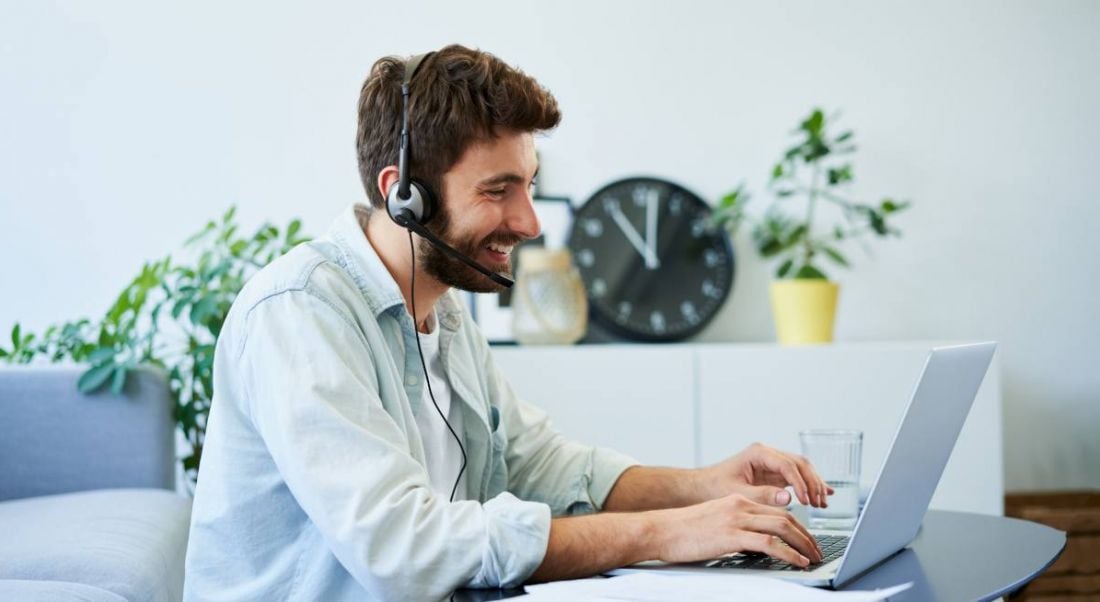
386	178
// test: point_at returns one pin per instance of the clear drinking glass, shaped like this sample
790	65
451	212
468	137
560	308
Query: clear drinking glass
835	454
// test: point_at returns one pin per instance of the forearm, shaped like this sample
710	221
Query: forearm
652	488
582	546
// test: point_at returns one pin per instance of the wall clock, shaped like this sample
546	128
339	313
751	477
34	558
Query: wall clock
654	267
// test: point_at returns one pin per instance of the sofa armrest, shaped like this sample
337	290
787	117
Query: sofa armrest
54	439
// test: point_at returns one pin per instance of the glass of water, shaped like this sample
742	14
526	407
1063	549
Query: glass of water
835	454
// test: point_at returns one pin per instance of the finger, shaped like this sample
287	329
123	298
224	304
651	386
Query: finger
817	485
787	467
772	546
770	496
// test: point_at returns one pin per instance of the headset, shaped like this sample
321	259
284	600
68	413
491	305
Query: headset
411	203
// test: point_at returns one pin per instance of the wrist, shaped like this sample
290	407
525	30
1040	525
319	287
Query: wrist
659	530
706	484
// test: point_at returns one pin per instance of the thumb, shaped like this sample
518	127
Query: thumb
770	496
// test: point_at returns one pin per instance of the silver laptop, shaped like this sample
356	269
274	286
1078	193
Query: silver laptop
896	505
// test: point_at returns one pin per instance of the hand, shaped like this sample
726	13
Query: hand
730	524
761	473
635	239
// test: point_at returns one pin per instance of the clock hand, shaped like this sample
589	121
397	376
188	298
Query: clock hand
651	260
630	232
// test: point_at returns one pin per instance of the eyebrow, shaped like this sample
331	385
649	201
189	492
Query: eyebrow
505	178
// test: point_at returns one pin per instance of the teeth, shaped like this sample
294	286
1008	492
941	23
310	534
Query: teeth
501	249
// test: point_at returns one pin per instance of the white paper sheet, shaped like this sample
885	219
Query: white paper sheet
653	587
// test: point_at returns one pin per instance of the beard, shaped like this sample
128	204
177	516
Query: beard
453	272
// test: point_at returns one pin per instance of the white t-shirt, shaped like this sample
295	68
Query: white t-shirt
443	454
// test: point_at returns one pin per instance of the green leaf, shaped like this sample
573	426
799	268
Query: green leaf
836	256
293	229
784	268
202	310
119	380
100	355
845	136
878	224
814	123
769	246
840	175
777	171
94	378
229	214
15	336
809	272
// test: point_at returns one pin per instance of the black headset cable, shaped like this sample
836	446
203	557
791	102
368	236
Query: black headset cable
424	365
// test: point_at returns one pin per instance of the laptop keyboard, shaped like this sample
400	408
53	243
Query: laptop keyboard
832	547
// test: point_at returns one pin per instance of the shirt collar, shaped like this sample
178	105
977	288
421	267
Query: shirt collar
370	274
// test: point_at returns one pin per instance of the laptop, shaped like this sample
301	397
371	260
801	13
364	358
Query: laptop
896	504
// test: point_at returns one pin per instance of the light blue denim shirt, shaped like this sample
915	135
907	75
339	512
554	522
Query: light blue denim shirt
313	483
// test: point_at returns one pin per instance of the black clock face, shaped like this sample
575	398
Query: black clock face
654	267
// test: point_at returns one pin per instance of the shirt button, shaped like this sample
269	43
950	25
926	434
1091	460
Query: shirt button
411	380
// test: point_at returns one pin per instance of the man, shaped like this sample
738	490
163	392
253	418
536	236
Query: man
334	471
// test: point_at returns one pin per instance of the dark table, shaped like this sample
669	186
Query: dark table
956	556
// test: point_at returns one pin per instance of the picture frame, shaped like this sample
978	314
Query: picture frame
493	311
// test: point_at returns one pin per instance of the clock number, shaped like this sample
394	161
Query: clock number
712	258
687	308
657	321
599	287
586	258
593	227
642	194
610	204
709	290
676	204
625	307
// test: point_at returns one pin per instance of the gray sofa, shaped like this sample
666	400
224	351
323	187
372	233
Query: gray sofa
88	509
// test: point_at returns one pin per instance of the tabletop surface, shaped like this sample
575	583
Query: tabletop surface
956	556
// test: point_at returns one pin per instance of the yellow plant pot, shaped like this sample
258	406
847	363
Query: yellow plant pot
804	310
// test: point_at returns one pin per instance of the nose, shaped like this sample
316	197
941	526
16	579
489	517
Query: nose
522	219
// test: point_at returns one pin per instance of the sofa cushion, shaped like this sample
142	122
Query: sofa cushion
130	542
54	591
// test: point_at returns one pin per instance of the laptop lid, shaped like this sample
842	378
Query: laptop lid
922	445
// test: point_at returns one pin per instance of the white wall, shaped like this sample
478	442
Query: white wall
125	125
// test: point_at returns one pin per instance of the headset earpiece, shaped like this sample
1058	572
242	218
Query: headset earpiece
420	203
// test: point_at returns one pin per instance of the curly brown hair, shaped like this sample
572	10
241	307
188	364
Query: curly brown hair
458	96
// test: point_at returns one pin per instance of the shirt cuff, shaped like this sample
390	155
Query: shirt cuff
607	466
518	534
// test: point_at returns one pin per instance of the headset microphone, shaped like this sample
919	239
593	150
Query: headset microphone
404	219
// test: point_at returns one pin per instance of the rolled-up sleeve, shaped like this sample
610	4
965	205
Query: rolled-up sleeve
572	478
313	396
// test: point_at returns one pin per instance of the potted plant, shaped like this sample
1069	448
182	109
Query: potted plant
816	170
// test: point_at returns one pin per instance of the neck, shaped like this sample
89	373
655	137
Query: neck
391	243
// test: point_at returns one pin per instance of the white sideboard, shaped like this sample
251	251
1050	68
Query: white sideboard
694	404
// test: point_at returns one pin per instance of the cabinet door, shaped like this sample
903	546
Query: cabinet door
635	399
768	393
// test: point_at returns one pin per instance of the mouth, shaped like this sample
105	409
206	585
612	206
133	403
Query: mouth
498	253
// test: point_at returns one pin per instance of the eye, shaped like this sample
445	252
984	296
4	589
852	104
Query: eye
496	192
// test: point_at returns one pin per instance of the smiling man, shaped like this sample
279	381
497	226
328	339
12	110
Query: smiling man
362	443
